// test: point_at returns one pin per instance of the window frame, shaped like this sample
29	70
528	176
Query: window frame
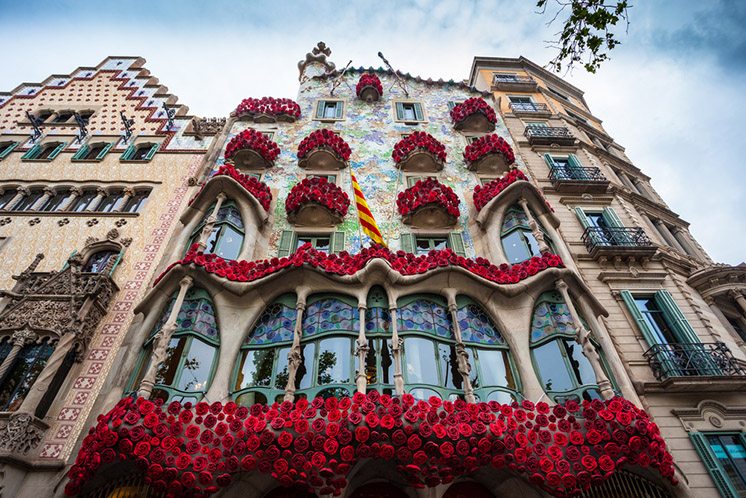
340	110
133	148
84	150
219	228
712	463
326	174
400	119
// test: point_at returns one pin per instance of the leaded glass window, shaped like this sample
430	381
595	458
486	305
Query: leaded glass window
17	382
227	235
379	360
518	240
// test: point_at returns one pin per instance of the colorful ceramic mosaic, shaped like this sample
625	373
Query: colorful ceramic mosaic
276	324
476	326
425	316
326	315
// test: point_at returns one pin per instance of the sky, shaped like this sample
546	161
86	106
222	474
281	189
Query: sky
671	94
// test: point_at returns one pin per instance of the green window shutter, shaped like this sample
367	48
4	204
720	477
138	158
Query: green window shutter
57	150
153	149
550	162
722	482
337	242
676	318
127	153
104	151
456	243
451	105
399	111
32	152
582	217
340	109
576	168
64	267
286	243
629	300
611	218
320	109
407	242
7	150
116	263
572	160
419	115
81	152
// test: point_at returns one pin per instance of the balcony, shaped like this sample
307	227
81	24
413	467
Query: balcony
548	135
513	82
578	180
696	367
617	242
530	109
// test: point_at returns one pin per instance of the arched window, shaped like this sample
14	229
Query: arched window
59	199
186	372
492	373
136	202
28	201
519	243
98	261
227	234
109	203
563	370
84	200
379	361
262	370
22	373
430	364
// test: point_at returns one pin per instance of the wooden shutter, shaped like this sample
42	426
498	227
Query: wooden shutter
582	217
719	477
337	242
286	243
572	160
339	109
576	168
400	111
407	242
127	153
648	334
456	243
320	109
153	149
675	318
611	218
81	152
32	152
549	160
8	149
104	151
418	114
57	150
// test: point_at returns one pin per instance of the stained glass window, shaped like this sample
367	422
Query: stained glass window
476	326
427	316
276	324
328	315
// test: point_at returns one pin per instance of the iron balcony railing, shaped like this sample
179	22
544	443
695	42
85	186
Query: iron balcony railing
512	79
595	237
550	133
687	360
566	173
529	107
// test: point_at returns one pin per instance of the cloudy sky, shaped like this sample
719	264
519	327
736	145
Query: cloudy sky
672	93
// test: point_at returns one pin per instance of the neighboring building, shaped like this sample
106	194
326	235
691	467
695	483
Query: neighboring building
529	261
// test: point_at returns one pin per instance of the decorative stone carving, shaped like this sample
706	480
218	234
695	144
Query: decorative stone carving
112	234
21	433
120	222
91	222
318	55
5	221
63	222
34	221
126	241
202	127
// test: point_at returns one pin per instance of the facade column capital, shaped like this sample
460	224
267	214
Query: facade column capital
23	190
22	337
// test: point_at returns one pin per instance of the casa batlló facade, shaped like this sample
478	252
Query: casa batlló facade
199	307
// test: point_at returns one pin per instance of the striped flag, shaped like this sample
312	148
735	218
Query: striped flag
364	215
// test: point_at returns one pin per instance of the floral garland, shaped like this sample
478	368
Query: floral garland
346	264
253	140
473	106
270	106
324	138
369	80
419	140
196	451
485	193
255	187
320	191
428	191
489	144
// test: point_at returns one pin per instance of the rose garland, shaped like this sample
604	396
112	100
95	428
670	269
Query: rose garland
419	140
473	106
489	144
485	193
270	106
428	191
320	191
324	138
347	264
196	451
255	187
253	140
366	80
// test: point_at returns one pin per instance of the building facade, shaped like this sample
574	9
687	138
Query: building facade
538	323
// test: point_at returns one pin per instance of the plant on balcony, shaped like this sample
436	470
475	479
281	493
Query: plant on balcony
490	152
420	151
255	187
485	193
315	201
474	114
323	149
251	149
369	87
428	203
268	109
199	449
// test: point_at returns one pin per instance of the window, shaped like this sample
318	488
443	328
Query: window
518	240
97	261
724	455
409	112
484	180
379	361
576	116
737	325
62	117
453	103
7	196
44	114
136	202
603	227
84	201
329	242
505	78
86	115
140	152
536	124
110	202
227	236
412	180
93	152
330	178
44	152
329	110
559	94
57	201
470	139
187	371
6	148
522	103
28	201
566	167
422	244
17	381
320	243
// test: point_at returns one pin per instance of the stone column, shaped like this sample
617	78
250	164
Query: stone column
683	238
625	180
710	300
739	299
361	351
583	338
19	339
127	194
543	246
100	194
642	187
396	345
560	244
210	224
74	194
652	229
462	356
294	356
161	340
48	193
667	235
22	192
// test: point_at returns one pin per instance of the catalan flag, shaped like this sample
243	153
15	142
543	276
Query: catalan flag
364	215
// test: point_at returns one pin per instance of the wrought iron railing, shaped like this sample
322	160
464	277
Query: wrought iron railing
529	107
547	132
594	237
687	360
512	79
566	173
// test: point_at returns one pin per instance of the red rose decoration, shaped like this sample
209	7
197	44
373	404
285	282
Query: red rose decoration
428	192
256	188
485	193
419	141
472	106
324	139
286	109
369	80
486	145
253	140
319	191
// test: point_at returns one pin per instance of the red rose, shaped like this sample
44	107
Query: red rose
589	462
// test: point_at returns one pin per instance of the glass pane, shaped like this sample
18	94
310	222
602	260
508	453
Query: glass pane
502	397
6	198
197	366
230	214
515	247
198	315
419	364
387	362
656	320
514	218
334	392
377	320
322	244
277	324
251	398
27	201
107	203
731	456
135	203
533	244
330	314
552	368
422	393
476	326
282	375
371	370
98	261
18	381
166	370
55	202
229	243
409	114
581	367
256	368
334	361
84	201
424	315
551	318
495	369
449	366
304	376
